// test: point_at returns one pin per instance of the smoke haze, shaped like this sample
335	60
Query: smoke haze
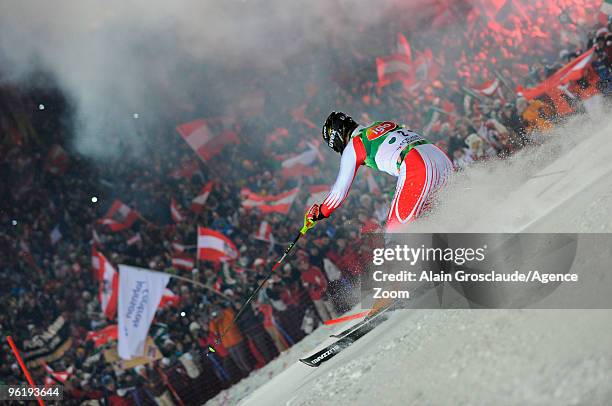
115	59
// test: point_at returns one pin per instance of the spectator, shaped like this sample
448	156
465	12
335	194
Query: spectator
222	326
315	282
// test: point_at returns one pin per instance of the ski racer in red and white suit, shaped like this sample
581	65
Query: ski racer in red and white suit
421	167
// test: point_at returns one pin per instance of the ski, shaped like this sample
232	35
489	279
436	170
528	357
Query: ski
360	323
355	334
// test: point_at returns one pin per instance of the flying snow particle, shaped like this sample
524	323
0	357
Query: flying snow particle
14	222
136	115
41	106
183	314
94	199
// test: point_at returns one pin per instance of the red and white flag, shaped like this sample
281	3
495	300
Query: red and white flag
101	337
201	138
57	160
572	71
318	193
169	299
264	232
108	279
301	164
135	239
175	212
280	203
396	67
183	261
403	46
119	217
177	247
95	260
215	246
426	69
488	88
197	204
60	377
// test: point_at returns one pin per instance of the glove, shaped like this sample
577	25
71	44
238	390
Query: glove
312	215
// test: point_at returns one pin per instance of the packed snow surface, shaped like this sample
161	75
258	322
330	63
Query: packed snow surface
481	357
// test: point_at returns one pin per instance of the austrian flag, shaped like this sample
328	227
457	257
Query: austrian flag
175	212
487	89
264	232
301	164
101	337
214	246
201	138
169	299
280	203
396	67
572	71
119	217
61	377
108	279
95	260
182	261
197	204
177	247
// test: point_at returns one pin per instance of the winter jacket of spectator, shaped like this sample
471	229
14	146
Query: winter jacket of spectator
347	261
221	323
116	400
268	314
533	115
291	295
315	282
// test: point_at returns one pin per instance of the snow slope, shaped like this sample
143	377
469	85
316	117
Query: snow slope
482	357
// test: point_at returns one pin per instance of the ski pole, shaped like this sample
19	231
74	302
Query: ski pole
252	296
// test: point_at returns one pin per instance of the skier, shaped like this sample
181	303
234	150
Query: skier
420	166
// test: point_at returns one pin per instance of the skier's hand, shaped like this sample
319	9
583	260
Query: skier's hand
312	215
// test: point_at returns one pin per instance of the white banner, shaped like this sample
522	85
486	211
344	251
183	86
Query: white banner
140	291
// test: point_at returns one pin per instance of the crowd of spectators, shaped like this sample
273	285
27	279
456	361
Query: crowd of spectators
49	218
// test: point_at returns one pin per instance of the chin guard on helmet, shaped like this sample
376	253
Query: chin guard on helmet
337	130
